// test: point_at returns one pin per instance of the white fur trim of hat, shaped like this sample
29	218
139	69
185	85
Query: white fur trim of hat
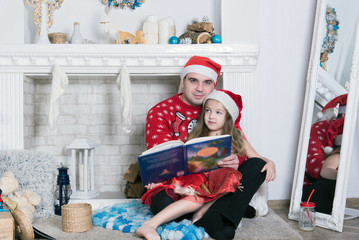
207	71
227	102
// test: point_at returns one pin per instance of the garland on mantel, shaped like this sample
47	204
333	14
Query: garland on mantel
132	4
331	36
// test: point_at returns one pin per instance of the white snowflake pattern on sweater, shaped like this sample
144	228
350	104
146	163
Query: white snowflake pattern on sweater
316	155
172	119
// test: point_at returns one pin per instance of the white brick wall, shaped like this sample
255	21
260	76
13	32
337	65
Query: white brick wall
90	108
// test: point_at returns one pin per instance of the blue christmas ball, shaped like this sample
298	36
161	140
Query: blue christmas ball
173	40
216	39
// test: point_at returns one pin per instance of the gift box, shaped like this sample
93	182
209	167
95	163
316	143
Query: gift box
7	225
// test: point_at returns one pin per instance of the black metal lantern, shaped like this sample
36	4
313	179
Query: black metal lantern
63	189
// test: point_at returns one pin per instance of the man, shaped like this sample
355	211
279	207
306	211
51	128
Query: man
174	118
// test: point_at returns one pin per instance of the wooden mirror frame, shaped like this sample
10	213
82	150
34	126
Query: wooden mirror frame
335	220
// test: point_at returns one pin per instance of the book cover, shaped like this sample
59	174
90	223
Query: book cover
174	158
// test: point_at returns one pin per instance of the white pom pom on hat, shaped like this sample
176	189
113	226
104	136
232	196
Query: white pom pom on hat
328	150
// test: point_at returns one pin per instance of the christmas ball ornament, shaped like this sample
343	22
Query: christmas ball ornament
173	40
216	39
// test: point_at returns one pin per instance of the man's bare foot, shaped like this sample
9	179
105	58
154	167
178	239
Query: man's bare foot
148	232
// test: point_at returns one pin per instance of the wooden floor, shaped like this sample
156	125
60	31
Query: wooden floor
350	229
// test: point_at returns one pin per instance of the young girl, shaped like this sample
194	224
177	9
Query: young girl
196	192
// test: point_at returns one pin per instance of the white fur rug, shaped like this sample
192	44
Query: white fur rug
35	171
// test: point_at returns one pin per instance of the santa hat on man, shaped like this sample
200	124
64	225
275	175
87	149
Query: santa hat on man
204	66
340	100
334	135
231	101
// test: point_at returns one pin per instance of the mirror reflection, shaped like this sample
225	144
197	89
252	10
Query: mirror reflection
323	156
326	132
329	114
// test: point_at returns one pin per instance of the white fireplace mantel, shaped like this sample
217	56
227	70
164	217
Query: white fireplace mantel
104	59
17	61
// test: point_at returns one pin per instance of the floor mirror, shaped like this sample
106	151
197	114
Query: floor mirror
332	72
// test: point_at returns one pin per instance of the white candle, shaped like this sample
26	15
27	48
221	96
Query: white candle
150	30
172	26
163	31
81	176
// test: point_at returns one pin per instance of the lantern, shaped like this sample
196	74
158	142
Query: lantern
82	168
63	189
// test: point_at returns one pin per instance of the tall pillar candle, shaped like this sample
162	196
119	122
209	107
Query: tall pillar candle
150	30
163	31
172	26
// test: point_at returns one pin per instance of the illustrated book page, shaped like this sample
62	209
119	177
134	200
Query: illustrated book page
175	158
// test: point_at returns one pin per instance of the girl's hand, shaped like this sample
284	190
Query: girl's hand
231	162
151	185
270	168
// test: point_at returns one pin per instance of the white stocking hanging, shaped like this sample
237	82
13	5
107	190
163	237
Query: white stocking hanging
59	84
124	86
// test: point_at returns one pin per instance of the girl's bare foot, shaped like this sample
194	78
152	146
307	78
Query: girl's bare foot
148	232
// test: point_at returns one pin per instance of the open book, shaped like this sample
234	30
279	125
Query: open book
175	158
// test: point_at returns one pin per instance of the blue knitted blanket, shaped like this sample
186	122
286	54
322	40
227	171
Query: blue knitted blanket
129	216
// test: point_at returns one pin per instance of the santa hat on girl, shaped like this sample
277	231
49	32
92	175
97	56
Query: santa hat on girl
334	135
340	100
204	66
231	101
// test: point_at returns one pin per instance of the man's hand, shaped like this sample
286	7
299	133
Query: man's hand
230	162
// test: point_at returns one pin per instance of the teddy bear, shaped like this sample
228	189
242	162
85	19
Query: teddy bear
8	183
26	200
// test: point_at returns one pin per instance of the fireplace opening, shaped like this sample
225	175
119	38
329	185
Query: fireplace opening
90	108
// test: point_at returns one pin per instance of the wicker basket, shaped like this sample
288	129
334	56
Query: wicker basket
57	38
76	217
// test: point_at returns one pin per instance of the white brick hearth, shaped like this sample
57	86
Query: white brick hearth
90	106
